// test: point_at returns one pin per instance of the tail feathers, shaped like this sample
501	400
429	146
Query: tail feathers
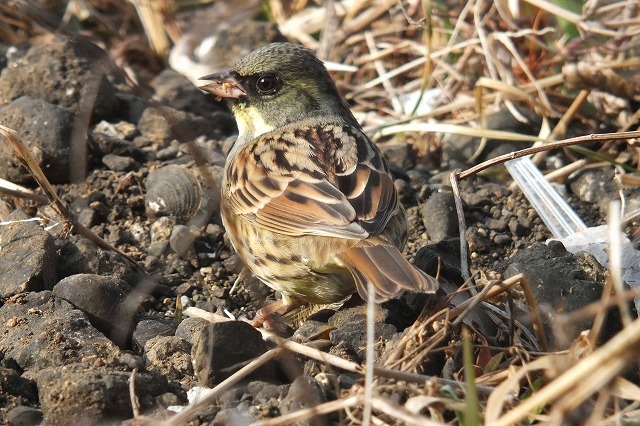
390	273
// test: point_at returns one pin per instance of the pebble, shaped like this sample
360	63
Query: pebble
169	355
24	416
105	300
46	130
147	329
439	216
220	349
28	257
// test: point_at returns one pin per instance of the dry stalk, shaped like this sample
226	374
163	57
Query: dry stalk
554	145
135	402
576	384
13	190
23	153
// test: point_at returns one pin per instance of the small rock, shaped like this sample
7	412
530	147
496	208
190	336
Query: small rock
189	328
496	224
443	257
24	416
11	383
80	394
62	72
118	163
181	240
439	216
595	186
110	144
28	256
105	300
176	91
517	228
46	130
147	329
169	355
304	392
478	240
561	283
233	416
399	154
157	249
353	337
473	199
502	239
265	391
87	218
220	349
154	126
59	334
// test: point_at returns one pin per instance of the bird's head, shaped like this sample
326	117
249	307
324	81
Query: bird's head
277	84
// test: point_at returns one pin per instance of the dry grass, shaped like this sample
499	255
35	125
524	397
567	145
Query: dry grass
467	61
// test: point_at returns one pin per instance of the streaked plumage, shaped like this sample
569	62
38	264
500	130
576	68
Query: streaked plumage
308	201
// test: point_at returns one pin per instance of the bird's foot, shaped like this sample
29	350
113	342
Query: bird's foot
270	316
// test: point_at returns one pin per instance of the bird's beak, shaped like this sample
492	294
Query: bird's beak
224	84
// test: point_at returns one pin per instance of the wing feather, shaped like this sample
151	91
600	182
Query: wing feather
323	180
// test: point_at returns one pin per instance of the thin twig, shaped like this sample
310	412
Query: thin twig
462	227
554	145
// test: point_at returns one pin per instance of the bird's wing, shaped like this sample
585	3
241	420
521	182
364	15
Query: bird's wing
321	180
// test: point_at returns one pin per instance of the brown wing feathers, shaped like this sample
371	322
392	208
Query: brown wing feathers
385	267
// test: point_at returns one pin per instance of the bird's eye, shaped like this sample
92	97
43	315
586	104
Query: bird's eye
267	84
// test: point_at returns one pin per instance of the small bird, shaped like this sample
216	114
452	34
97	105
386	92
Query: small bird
307	199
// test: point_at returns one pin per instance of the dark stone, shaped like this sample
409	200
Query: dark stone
46	130
265	391
102	144
119	163
478	240
106	301
350	326
399	153
28	257
517	228
176	91
353	337
502	239
443	257
439	216
24	416
147	329
82	394
304	392
11	383
154	126
561	283
65	72
189	328
58	334
220	349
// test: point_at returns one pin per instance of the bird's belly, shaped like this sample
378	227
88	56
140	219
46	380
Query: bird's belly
300	267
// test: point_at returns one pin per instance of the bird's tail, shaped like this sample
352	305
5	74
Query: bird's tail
385	267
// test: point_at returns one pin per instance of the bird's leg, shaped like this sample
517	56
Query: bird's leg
267	316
